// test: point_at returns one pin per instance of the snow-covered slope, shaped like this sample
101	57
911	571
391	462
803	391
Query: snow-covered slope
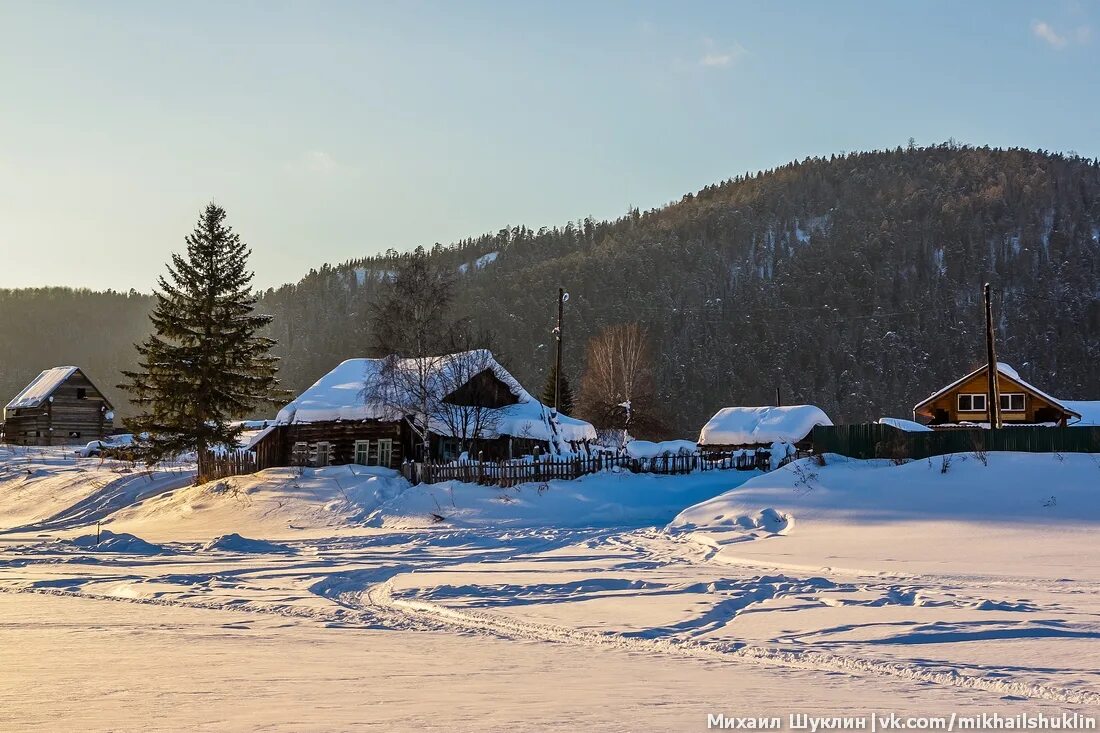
290	503
598	500
54	489
996	515
278	502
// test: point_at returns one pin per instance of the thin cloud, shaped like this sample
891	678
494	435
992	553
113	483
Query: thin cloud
316	162
319	161
716	58
1045	32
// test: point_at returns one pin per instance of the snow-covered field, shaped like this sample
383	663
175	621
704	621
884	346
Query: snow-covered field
343	598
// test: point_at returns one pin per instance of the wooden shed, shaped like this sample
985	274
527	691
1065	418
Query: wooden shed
60	406
964	402
745	428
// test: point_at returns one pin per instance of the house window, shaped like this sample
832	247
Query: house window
972	403
1012	402
81	393
322	454
300	455
448	449
362	452
385	452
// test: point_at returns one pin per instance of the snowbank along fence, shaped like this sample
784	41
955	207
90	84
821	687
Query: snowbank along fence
874	440
548	468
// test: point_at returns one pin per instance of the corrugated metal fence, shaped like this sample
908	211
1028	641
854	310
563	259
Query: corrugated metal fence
874	440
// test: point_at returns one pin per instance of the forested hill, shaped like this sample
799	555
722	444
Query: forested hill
852	282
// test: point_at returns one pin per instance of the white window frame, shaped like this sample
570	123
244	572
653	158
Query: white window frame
385	447
1008	396
321	453
362	450
974	397
299	454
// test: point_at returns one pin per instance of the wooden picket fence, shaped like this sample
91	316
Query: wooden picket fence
541	469
213	466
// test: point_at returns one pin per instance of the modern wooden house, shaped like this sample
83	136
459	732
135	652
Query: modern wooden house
353	415
60	406
964	402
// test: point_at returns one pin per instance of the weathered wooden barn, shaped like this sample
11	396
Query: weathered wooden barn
473	404
60	406
963	402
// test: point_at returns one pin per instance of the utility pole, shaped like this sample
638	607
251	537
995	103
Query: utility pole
993	398
777	402
557	365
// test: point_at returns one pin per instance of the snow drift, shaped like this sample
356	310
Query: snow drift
235	543
122	542
288	502
950	507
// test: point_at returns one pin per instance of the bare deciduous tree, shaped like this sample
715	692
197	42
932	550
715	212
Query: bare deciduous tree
471	397
412	326
618	389
457	394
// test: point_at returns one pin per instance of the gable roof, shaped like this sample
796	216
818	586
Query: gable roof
1008	373
41	387
340	395
45	384
752	425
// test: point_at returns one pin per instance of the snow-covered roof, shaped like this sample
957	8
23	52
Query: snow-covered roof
1089	410
750	425
337	395
649	449
341	395
250	438
1005	371
41	387
908	426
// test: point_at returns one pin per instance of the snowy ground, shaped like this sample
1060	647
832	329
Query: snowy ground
618	602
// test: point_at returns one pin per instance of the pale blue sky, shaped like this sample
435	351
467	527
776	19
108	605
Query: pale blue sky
335	130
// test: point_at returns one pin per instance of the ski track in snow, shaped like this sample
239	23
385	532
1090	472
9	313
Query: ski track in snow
681	593
382	596
367	599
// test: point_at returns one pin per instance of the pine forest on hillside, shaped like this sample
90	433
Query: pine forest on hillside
852	282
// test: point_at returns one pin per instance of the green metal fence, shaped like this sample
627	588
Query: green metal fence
874	440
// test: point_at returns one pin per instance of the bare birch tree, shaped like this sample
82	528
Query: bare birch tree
426	354
471	397
618	389
410	319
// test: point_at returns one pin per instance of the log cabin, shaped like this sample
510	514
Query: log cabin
370	412
964	402
60	406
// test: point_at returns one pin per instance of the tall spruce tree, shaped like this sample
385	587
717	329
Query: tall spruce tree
206	364
565	401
